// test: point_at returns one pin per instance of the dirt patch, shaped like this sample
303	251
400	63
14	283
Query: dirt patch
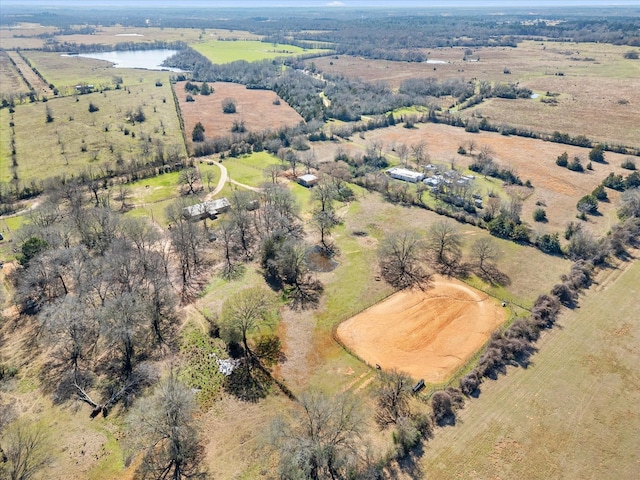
426	334
256	108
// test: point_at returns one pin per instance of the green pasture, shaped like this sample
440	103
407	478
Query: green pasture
56	149
249	169
65	72
250	50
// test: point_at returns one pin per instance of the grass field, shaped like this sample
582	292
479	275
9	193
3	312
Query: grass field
557	188
10	80
65	72
572	414
256	108
59	147
250	50
249	169
596	83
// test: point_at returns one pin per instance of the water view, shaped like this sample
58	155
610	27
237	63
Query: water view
146	59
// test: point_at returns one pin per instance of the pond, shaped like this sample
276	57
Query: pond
145	59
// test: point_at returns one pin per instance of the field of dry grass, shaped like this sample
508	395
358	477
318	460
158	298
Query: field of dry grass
10	80
571	414
255	108
557	188
41	88
596	91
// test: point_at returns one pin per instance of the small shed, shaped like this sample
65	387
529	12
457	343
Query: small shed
308	180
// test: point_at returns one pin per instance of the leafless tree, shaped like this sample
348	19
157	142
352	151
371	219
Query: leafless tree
484	250
190	177
392	397
27	449
444	242
322	440
164	426
403	153
245	312
401	257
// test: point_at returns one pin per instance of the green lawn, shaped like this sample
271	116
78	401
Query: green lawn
249	169
250	50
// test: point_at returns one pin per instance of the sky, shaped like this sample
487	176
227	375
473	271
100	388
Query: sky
322	3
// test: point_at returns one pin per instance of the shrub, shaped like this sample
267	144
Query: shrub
93	107
563	160
614	182
189	98
564	293
442	408
575	165
539	215
588	204
631	55
629	164
229	105
549	243
470	383
597	154
600	193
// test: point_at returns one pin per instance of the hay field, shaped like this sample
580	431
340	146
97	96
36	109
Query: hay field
254	107
572	414
596	83
426	334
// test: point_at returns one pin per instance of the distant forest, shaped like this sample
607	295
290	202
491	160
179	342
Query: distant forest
400	34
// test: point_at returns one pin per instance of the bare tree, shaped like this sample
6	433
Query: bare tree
26	446
403	153
444	242
245	312
418	151
392	397
164	426
190	177
323	440
484	250
400	256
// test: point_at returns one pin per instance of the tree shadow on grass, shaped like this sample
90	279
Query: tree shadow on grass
248	382
491	274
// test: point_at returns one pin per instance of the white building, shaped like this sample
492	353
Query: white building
405	174
210	209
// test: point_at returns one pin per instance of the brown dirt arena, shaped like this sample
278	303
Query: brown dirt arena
426	334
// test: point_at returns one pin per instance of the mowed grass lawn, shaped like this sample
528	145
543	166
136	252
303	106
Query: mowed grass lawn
250	169
250	50
572	414
55	149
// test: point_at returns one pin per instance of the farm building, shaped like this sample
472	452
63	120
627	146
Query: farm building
208	209
307	180
405	175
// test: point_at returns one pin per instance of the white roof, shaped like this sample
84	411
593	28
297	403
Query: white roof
209	207
405	172
309	177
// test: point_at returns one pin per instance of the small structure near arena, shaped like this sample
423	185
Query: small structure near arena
405	174
308	180
209	209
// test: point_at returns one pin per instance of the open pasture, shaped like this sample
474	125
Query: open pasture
596	82
222	51
34	81
65	72
78	140
556	187
255	108
426	334
572	413
10	80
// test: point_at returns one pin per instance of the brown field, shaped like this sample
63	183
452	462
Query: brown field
596	77
24	35
558	188
254	107
10	80
427	334
34	80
